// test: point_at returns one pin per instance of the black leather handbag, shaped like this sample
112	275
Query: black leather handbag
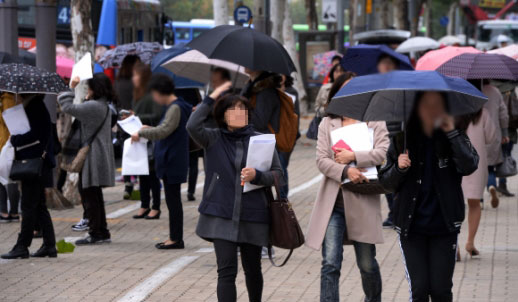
28	169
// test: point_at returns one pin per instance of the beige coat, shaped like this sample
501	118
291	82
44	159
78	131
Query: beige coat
362	212
321	99
481	134
498	114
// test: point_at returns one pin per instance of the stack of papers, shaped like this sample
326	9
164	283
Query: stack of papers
134	154
83	68
260	155
16	120
360	138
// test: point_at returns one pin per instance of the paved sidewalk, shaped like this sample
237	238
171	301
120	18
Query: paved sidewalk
131	269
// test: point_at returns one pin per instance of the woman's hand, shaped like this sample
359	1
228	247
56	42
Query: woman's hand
404	162
248	174
74	82
356	176
222	88
135	137
344	156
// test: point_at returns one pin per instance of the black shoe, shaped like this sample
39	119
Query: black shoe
16	253
157	216
175	246
143	215
14	218
388	224
45	251
5	219
502	189
190	197
92	240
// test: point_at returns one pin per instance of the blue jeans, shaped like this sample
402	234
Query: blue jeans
332	254
284	158
491	176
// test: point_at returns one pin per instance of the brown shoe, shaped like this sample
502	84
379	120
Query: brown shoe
494	197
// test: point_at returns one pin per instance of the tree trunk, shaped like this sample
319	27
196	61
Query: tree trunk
429	16
83	41
385	14
450	30
258	13
401	15
311	14
289	44
220	8
353	20
277	12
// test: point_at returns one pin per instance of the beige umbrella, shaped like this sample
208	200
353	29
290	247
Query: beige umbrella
196	66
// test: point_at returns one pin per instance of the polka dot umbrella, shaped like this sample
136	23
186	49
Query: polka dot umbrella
22	78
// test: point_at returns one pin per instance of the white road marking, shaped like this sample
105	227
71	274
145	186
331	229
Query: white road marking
4	261
141	291
205	250
305	185
123	211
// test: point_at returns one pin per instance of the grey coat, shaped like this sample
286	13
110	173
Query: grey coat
99	167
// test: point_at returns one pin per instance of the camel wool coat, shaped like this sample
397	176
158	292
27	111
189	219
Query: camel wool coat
362	212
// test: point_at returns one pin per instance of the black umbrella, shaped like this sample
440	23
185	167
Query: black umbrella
21	78
246	47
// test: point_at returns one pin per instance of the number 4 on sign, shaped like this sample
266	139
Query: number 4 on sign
63	15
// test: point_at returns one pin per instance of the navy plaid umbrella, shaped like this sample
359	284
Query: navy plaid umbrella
21	78
481	66
145	50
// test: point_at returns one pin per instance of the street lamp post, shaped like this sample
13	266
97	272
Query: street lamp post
9	27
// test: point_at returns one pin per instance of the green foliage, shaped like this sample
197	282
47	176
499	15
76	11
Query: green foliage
65	247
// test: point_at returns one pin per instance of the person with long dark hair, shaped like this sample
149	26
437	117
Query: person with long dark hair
229	217
98	170
323	93
149	113
35	144
481	132
428	200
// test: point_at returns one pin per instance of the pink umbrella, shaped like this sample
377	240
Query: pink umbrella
510	51
435	58
64	67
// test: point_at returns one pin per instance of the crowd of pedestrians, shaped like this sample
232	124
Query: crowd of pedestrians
428	166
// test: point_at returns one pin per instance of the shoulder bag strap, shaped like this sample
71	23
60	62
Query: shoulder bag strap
270	256
90	140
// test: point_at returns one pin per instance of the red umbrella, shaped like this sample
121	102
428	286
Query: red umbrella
435	58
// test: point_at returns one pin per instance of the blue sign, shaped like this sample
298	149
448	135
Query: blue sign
444	21
63	15
242	14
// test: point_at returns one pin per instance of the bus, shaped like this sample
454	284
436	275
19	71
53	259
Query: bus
489	30
137	20
184	32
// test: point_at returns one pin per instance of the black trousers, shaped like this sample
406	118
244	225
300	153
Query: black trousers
93	202
193	170
173	200
226	257
34	211
430	262
150	186
12	193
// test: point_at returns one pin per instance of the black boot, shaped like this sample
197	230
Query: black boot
17	253
502	189
46	251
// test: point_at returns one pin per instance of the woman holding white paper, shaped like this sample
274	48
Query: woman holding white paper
229	217
341	216
99	168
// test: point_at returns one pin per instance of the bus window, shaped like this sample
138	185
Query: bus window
140	35
182	34
198	31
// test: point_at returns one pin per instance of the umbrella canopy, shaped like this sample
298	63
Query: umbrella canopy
246	47
418	44
322	63
166	55
145	50
510	51
481	66
435	58
21	78
391	96
6	57
64	66
363	59
450	40
196	66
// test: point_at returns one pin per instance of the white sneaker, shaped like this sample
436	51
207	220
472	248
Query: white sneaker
81	226
264	253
